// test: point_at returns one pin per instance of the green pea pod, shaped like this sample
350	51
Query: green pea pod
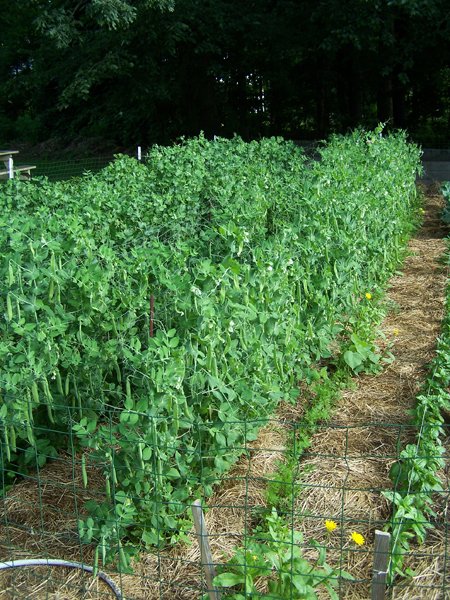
59	382
95	568
50	414
30	435
19	312
141	459
159	472
51	289
214	369
7	446
103	544
122	557
67	385
118	372
84	471
176	418
11	278
114	474
9	309
35	392
108	489
128	390
12	434
154	435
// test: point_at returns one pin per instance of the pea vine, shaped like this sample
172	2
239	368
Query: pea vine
154	314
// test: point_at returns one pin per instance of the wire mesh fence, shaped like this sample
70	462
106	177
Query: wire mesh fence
56	170
284	521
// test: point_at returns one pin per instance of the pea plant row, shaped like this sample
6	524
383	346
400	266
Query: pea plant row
154	314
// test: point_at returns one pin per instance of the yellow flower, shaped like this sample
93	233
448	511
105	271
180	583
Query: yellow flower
396	331
358	538
368	295
330	525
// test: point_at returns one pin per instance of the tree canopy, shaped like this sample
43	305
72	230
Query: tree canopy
143	71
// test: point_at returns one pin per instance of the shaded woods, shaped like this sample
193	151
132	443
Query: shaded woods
145	71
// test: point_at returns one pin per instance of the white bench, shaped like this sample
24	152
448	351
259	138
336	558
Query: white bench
9	170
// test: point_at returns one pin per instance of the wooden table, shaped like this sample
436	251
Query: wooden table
8	171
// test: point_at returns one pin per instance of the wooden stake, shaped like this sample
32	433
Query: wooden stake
380	564
205	550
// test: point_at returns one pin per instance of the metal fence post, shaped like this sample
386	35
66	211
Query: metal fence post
205	550
380	564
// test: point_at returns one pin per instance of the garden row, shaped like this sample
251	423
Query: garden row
416	476
156	313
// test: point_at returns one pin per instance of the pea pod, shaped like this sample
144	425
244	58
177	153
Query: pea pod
141	459
108	487
67	385
12	435
11	278
50	414
9	309
7	446
128	391
30	434
84	471
122	557
59	382
95	567
103	546
35	392
118	372
176	418
113	472
53	263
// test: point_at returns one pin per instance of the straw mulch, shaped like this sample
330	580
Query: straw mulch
349	462
341	476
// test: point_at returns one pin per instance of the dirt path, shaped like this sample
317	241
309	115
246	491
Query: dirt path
348	463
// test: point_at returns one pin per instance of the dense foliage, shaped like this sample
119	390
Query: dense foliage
155	314
144	71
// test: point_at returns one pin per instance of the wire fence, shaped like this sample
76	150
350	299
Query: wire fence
56	170
283	521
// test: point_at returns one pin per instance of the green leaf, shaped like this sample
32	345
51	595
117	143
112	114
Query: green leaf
353	359
228	579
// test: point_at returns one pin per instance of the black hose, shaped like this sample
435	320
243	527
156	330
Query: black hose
50	562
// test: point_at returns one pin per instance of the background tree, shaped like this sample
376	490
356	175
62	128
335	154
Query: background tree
152	70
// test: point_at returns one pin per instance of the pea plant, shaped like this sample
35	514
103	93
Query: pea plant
154	314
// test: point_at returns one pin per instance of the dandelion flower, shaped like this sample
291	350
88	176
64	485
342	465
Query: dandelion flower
358	538
368	295
396	331
330	525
